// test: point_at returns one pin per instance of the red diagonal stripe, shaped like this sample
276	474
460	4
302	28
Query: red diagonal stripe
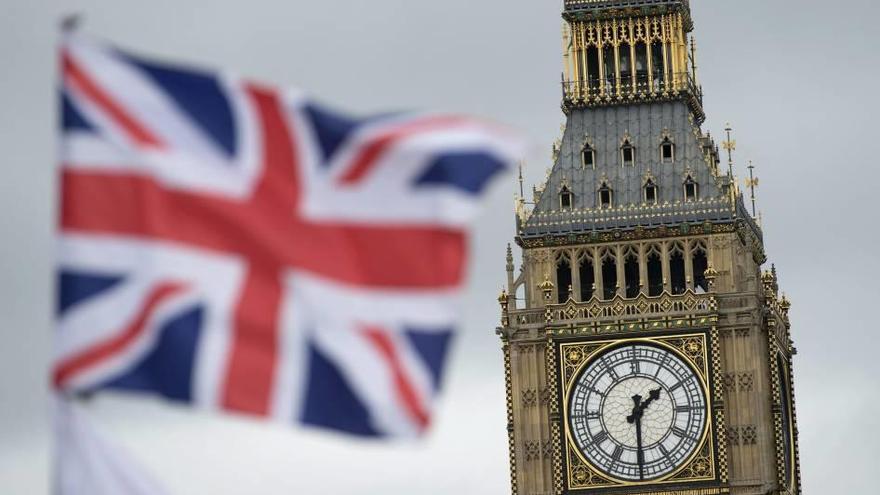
119	342
369	156
405	390
92	90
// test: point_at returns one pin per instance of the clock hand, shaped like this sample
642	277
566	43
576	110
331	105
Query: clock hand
637	409
640	454
636	417
654	395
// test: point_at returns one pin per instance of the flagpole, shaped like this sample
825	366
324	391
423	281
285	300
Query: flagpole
71	22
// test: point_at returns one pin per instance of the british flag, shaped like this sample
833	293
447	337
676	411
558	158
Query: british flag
243	248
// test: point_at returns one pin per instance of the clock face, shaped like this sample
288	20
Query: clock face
638	412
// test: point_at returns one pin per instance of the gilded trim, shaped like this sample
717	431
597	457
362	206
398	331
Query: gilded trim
701	351
511	437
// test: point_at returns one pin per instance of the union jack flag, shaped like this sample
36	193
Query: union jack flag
242	248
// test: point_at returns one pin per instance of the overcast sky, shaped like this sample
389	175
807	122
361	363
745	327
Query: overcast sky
796	78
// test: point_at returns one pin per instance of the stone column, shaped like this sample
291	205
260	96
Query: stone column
575	275
689	265
643	269
597	274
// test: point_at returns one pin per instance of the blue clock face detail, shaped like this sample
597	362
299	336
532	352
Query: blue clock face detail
638	412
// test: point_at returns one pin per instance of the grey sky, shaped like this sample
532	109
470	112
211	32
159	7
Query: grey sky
797	79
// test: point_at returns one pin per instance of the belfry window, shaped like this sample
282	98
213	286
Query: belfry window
651	192
606	196
588	278
667	151
657	64
588	156
609	275
676	270
642	65
566	198
625	66
700	265
608	57
563	278
691	190
628	154
593	68
631	274
655	272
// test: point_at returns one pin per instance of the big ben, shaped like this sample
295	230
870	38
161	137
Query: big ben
647	345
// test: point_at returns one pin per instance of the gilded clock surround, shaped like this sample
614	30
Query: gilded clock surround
573	356
595	274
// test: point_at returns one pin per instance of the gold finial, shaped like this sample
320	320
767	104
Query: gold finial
504	301
785	306
752	182
547	288
730	146
502	298
711	274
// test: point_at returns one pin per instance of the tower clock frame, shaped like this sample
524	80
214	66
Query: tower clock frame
569	355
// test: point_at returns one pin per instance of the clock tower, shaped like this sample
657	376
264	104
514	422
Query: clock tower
646	349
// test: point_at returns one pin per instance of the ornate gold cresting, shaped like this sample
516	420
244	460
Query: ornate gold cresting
626	58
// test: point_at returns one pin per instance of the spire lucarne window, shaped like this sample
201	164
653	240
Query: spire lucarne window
651	192
566	198
606	196
588	156
628	153
691	189
667	151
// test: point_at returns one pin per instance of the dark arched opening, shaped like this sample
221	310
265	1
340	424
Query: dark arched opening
676	272
563	279
701	264
609	277
588	278
655	274
631	275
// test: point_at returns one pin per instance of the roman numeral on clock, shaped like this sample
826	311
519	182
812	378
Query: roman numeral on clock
588	415
682	434
618	451
600	437
610	368
596	391
635	365
666	359
687	409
